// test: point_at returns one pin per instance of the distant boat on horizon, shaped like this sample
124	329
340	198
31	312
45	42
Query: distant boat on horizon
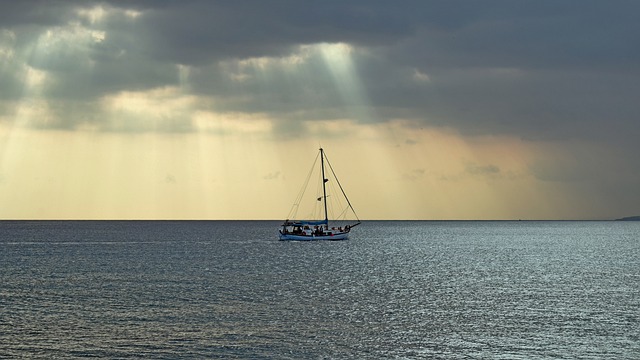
319	228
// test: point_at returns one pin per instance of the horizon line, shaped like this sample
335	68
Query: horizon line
628	218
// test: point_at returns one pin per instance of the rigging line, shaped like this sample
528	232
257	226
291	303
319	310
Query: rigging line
335	203
341	189
298	199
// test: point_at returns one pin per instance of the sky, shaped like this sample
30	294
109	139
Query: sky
428	110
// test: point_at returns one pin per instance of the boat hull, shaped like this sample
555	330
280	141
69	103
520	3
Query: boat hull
294	237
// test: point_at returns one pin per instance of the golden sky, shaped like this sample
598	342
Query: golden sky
112	110
388	171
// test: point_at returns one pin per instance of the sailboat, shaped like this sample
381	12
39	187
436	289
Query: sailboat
317	226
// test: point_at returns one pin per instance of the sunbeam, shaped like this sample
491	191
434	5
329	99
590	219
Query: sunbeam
343	70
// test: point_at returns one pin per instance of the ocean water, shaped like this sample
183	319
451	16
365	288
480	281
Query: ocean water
408	290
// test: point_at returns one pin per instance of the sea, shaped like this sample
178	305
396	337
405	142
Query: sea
394	290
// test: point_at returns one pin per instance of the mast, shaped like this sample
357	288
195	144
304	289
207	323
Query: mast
324	188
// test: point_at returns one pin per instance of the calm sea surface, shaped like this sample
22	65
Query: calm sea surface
449	290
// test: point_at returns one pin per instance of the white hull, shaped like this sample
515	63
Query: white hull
334	237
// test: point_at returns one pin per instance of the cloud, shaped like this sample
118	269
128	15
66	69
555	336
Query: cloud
475	169
272	176
170	179
414	174
539	70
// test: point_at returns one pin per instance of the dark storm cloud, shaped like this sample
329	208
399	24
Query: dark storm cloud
33	12
451	33
534	69
196	32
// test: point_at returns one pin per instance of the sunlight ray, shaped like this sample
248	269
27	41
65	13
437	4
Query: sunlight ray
338	57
